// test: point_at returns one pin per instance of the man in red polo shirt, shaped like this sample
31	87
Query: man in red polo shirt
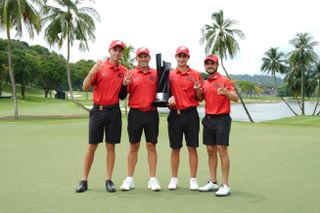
217	92
106	78
143	116
183	118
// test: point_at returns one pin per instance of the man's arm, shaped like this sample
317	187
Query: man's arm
86	85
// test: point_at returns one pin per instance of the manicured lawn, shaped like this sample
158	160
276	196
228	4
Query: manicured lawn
274	168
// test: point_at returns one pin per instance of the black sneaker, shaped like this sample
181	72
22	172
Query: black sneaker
110	186
82	187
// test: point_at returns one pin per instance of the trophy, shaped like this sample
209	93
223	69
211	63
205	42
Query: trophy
163	92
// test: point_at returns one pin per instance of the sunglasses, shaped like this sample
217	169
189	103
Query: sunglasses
209	63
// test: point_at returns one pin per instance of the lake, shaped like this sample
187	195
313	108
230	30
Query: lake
262	111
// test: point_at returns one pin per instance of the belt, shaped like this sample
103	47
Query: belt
136	109
103	107
179	111
217	115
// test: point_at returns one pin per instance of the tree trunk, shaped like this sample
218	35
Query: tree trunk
13	82
23	90
69	76
243	104
275	81
318	96
302	92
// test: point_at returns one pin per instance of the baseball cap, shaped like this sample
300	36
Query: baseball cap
182	49
213	58
142	50
115	43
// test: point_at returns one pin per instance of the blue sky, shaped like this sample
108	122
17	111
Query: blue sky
164	25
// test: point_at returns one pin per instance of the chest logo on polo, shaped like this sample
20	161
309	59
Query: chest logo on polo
215	85
152	78
189	78
120	75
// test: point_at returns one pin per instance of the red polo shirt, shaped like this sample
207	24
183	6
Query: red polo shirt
143	88
181	86
215	103
107	84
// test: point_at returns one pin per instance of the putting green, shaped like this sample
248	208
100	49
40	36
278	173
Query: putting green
274	168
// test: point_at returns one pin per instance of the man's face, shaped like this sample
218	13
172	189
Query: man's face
143	60
116	53
210	66
182	59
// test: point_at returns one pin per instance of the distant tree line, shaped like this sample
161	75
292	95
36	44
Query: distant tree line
36	66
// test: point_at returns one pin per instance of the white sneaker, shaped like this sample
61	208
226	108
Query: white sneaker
224	190
210	186
193	184
173	185
127	184
154	184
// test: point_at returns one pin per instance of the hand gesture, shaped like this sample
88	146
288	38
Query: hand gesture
222	90
171	101
96	67
197	84
127	78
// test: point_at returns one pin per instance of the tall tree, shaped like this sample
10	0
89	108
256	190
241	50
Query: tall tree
301	59
220	38
14	14
128	61
315	75
69	22
274	62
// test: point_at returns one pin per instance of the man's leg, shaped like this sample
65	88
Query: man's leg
175	160
225	163
110	159
152	158
132	158
193	161
212	162
88	160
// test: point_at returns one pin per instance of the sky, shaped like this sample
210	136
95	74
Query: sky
164	25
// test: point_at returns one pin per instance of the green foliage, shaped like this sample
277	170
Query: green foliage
259	80
79	71
220	36
247	88
37	66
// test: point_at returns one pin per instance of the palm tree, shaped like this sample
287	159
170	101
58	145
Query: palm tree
128	62
301	59
316	76
273	62
14	14
70	23
220	39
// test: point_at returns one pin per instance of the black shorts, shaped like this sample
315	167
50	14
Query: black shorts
139	121
187	123
216	129
105	120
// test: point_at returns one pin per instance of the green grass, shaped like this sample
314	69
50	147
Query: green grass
274	168
298	120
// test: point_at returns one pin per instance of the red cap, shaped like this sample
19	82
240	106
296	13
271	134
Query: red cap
182	49
142	50
213	58
115	43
